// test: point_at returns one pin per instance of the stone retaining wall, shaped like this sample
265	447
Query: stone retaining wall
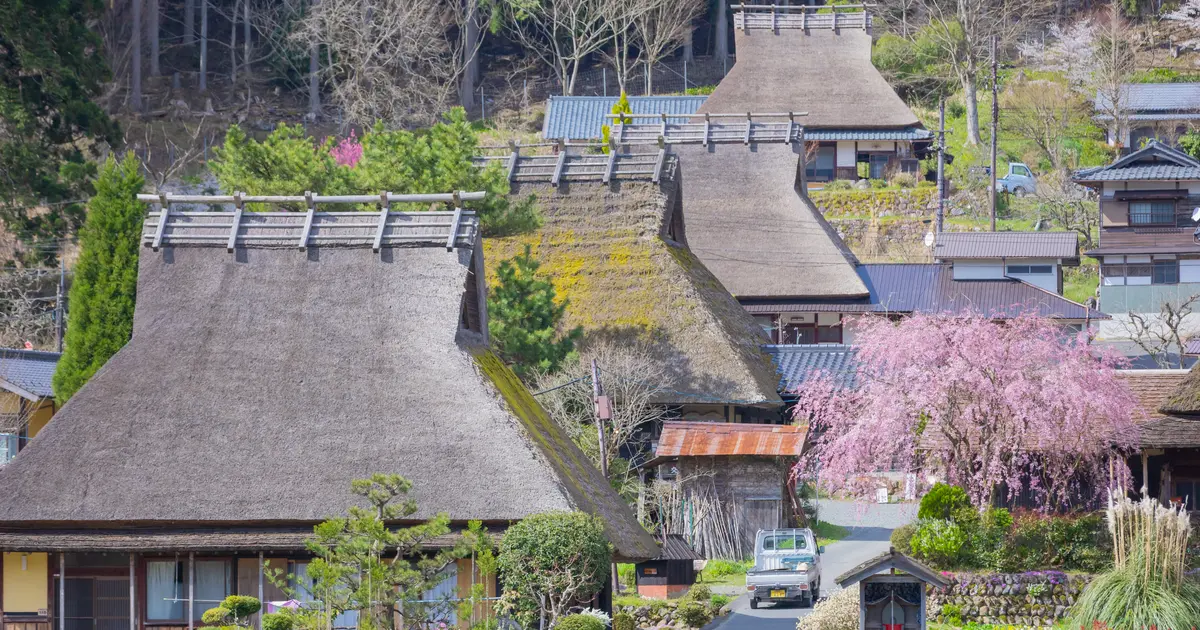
1035	599
906	202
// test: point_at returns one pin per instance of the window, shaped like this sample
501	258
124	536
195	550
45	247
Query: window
822	166
213	583
767	323
1165	272
1030	269
164	590
1020	170
784	541
1151	213
829	334
303	585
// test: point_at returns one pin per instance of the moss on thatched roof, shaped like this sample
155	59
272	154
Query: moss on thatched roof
1185	399
603	248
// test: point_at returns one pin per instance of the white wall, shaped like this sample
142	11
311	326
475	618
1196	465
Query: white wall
845	154
989	270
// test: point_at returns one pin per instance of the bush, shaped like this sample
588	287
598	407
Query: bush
925	183
241	606
902	538
621	621
215	616
938	541
278	621
579	622
699	593
904	180
839	612
719	601
693	613
879	183
627	574
951	613
941	501
720	568
839	184
551	552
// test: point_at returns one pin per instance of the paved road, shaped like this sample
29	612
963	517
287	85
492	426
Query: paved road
870	529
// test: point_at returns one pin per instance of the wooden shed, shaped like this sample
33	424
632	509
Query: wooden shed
672	573
891	591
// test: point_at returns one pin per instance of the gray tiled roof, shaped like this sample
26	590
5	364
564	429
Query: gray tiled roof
1156	97
931	288
28	370
1006	245
798	363
907	133
1155	161
580	117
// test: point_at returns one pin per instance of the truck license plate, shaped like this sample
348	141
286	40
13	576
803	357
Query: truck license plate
782	593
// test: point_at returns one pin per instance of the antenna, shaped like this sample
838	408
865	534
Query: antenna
929	238
1196	214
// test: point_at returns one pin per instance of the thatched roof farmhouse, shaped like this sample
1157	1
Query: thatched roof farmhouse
261	379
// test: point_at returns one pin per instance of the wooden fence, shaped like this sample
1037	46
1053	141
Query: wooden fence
579	162
713	129
775	17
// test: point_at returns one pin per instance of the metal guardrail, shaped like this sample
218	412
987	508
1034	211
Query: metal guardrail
710	131
231	229
774	17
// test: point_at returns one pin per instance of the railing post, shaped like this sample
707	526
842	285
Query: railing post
163	214
707	121
512	160
558	165
308	219
612	162
749	125
804	19
662	157
663	132
772	17
791	122
383	217
452	241
238	204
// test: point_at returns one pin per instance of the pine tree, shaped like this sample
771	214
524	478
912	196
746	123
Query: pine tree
105	282
523	318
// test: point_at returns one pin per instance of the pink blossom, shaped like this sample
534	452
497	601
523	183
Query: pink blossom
347	152
1022	405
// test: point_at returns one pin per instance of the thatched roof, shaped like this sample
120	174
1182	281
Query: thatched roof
747	223
259	383
605	248
1161	396
1185	398
825	73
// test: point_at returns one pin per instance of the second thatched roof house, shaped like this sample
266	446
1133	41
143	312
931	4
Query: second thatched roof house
275	358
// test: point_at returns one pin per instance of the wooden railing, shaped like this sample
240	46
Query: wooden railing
712	130
592	165
773	17
377	229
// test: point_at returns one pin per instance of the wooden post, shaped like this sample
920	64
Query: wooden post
191	590
260	588
995	132
383	217
237	220
707	122
133	620
308	219
559	165
62	591
512	159
1145	474
941	166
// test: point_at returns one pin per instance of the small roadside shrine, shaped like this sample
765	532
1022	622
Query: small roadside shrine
891	591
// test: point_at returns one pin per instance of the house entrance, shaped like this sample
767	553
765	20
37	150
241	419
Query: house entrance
96	603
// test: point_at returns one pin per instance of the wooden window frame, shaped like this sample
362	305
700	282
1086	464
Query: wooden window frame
143	589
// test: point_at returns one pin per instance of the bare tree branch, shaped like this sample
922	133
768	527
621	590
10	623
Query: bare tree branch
1162	334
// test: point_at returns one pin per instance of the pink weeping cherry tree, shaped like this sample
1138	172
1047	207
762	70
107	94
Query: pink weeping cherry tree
1022	405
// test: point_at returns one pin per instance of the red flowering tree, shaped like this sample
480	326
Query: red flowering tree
1019	405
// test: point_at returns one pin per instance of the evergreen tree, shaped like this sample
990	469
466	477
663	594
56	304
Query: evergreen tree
51	67
523	318
105	282
1190	143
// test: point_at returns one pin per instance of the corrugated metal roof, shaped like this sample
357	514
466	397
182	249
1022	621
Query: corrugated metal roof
931	288
798	363
1192	346
580	117
706	439
1152	97
1155	161
908	133
30	371
1006	245
1153	117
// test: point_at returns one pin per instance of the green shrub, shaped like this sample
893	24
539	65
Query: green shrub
879	183
904	180
720	568
941	501
551	552
621	621
925	183
719	601
579	622
627	574
839	184
699	593
902	538
951	614
938	542
693	613
215	616
241	606
278	621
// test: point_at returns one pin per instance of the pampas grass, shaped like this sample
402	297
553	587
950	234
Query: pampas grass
1147	586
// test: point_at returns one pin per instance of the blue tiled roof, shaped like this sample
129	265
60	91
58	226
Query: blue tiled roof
910	133
1155	161
1156	97
29	371
798	363
580	117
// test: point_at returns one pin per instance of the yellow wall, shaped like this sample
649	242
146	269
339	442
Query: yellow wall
40	417
26	590
483	610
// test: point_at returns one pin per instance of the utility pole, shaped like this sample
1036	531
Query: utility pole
60	312
941	172
995	130
603	408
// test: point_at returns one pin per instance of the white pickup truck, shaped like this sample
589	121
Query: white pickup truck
787	567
